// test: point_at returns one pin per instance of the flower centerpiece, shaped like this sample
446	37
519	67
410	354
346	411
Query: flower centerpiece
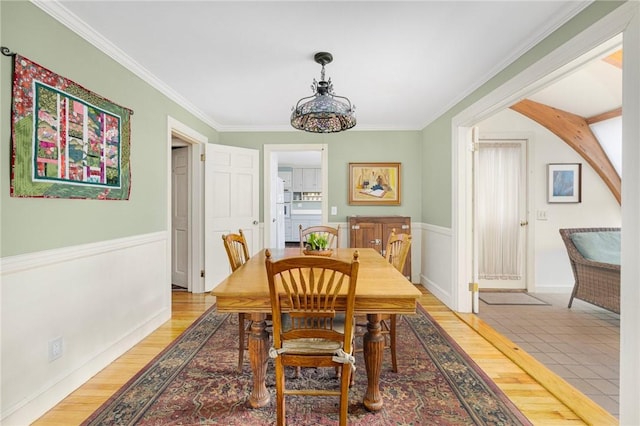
316	245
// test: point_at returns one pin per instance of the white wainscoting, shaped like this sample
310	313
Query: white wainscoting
100	298
430	257
435	256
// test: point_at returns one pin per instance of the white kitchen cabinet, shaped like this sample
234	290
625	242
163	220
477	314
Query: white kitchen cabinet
296	180
311	180
319	180
306	180
306	221
288	235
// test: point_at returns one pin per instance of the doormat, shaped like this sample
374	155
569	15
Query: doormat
510	298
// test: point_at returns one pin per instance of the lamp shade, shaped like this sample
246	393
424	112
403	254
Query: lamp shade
323	112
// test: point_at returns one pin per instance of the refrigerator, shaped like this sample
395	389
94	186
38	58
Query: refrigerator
280	213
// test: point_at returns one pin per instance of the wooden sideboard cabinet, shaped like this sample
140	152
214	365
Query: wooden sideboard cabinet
373	232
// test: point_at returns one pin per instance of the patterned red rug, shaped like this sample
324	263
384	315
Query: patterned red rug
194	381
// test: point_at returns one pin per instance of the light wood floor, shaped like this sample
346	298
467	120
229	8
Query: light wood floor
538	403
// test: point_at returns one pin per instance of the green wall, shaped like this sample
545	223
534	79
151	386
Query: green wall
29	224
350	147
436	137
32	224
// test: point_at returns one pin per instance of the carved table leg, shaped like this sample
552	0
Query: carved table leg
373	347
258	341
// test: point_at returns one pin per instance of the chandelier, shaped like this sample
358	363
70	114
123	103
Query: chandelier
324	111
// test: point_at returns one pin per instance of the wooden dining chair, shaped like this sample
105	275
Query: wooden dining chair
332	234
312	325
238	254
396	252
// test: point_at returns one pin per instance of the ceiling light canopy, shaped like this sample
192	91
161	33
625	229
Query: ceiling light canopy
324	111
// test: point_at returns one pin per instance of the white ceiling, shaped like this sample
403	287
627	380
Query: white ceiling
593	87
242	65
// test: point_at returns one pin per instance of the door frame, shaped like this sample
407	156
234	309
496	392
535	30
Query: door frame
549	68
196	144
269	195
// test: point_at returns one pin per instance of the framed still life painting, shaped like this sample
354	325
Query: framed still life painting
374	183
564	183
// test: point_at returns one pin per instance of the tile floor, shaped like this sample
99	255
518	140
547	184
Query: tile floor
581	344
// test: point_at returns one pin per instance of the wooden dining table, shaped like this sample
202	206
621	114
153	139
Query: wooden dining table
380	289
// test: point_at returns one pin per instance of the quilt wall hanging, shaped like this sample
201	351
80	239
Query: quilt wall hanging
67	142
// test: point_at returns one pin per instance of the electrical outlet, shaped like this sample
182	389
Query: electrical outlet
334	210
55	349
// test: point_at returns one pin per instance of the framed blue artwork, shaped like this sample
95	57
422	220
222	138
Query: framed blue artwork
564	182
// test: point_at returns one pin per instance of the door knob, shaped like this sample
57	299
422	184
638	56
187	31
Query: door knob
524	223
255	222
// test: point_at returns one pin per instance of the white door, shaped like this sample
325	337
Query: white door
231	203
501	214
180	217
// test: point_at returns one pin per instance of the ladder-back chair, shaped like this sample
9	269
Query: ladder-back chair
238	254
313	323
332	234
396	252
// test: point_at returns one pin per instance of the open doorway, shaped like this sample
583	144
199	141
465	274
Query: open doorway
529	83
303	168
185	240
624	19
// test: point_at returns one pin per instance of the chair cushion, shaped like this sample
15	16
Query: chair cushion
312	346
601	246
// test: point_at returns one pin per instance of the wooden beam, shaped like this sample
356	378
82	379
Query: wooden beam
605	116
574	130
615	59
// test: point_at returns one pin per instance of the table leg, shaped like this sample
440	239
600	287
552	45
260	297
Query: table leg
258	341
373	347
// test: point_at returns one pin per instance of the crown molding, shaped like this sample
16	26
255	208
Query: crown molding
570	11
60	13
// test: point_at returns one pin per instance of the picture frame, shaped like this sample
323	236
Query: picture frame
373	184
564	182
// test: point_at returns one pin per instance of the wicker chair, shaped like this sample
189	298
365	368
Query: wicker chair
595	282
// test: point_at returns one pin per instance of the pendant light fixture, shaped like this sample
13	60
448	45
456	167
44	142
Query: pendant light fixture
324	111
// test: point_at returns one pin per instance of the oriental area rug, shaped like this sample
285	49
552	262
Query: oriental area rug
195	381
